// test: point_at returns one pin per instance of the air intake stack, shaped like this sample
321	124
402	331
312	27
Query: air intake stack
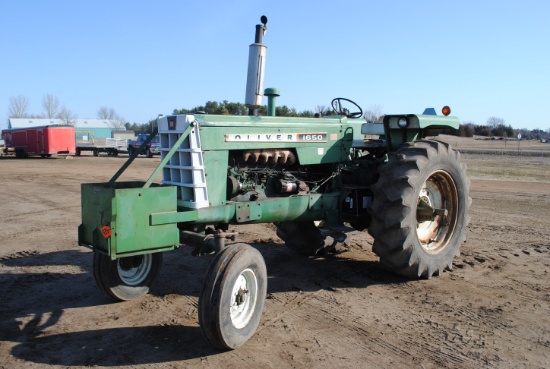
256	68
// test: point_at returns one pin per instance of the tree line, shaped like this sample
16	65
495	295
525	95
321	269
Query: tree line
52	109
229	108
496	128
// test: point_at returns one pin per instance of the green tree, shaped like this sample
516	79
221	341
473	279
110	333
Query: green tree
226	107
482	131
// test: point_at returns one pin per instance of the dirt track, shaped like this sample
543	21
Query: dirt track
492	310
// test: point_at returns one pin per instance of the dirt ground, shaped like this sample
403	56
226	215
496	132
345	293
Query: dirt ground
492	310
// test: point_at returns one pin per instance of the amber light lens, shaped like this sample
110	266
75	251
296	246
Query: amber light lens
446	110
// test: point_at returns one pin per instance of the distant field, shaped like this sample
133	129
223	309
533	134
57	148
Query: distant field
508	168
488	159
479	143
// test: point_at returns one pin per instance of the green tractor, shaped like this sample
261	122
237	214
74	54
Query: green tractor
314	178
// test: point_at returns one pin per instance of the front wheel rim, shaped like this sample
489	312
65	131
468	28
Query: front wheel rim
134	270
439	191
243	298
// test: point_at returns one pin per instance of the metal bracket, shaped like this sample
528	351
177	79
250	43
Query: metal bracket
246	212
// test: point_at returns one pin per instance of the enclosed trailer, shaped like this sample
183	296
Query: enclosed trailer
44	141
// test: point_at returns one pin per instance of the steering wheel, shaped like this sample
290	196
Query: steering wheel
340	110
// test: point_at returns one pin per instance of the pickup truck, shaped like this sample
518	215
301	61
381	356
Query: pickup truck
152	149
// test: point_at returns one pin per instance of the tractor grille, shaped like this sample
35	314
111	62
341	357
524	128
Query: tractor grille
185	169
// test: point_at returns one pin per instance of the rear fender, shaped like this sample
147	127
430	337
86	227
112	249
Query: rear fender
415	127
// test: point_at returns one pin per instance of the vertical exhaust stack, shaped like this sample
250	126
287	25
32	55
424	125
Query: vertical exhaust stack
256	68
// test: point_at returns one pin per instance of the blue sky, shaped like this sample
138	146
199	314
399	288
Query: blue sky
483	58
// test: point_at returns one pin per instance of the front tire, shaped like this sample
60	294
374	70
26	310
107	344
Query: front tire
420	209
232	297
126	278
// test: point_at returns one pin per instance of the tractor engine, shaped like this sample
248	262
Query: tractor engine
263	173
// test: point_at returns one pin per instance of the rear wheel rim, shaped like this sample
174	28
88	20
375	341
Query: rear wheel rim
440	192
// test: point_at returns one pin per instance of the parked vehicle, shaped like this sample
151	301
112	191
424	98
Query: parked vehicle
111	146
150	149
314	178
44	141
86	141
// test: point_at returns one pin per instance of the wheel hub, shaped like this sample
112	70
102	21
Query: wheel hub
243	298
134	270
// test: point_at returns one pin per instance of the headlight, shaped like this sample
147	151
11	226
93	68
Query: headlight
402	122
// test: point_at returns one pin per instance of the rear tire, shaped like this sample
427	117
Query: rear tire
233	296
126	278
303	237
420	175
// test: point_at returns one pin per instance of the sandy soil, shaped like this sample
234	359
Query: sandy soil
492	310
